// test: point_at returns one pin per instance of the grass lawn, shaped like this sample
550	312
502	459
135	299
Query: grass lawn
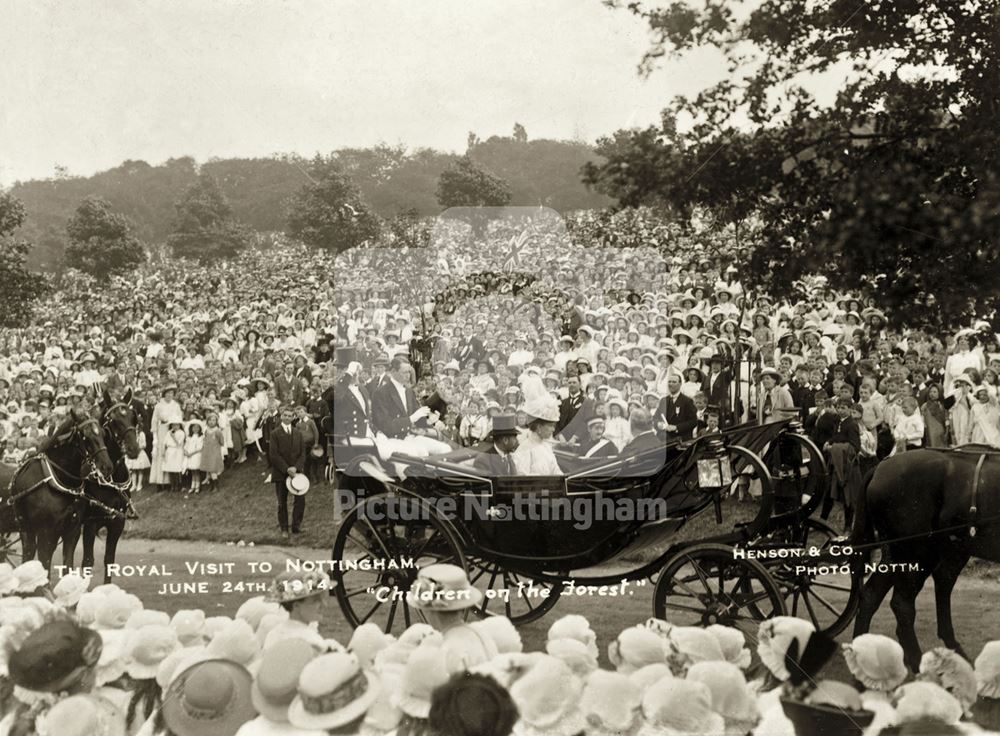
244	508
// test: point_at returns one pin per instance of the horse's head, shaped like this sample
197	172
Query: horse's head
87	432
118	420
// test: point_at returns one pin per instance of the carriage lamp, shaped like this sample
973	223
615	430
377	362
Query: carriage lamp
714	470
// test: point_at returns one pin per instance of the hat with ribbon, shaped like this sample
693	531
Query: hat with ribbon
443	587
333	691
277	680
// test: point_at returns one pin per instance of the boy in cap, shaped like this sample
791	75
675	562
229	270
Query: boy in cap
597	445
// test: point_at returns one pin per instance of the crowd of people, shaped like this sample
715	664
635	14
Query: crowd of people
81	662
588	338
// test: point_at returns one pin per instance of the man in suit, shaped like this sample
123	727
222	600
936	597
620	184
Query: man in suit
395	410
284	383
574	412
496	458
676	416
597	445
716	385
287	453
775	400
644	441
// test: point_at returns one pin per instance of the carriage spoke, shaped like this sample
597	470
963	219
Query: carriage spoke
392	614
826	604
368	615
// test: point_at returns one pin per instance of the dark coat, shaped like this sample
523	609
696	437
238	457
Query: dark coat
351	417
389	415
718	392
574	413
284	450
680	412
490	461
604	448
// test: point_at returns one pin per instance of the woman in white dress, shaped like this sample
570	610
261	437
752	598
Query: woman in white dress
962	359
166	411
534	455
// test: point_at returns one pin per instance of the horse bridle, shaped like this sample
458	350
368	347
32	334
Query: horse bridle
123	489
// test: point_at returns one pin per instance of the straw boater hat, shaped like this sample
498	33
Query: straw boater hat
426	670
333	690
298	484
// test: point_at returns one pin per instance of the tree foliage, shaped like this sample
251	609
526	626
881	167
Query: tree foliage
205	228
329	212
463	184
891	185
21	288
101	241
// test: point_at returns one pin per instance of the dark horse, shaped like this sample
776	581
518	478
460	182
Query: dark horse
932	510
47	489
110	497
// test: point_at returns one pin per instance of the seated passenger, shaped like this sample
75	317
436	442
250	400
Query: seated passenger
534	455
497	457
597	445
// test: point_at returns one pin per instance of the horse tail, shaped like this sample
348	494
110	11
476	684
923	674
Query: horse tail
862	532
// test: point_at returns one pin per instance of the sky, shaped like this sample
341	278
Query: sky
87	84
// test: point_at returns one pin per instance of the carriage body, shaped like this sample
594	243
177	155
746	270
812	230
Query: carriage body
549	529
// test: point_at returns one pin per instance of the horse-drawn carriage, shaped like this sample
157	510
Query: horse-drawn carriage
659	514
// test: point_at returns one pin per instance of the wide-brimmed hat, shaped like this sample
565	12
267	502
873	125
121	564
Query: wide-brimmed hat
333	690
147	647
277	680
610	704
547	697
443	587
82	715
30	576
816	720
209	698
672	705
298	484
426	670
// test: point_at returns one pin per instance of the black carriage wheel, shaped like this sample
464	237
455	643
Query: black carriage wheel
11	550
827	598
705	584
519	597
375	561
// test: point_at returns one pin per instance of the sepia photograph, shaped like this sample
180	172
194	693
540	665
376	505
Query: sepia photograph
499	368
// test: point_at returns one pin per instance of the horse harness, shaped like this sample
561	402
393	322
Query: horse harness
49	478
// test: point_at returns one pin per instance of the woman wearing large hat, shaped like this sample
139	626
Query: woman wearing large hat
534	455
166	412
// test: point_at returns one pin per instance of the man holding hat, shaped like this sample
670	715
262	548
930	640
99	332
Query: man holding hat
497	460
287	453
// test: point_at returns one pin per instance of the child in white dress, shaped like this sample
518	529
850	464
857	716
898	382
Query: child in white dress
173	454
193	446
140	464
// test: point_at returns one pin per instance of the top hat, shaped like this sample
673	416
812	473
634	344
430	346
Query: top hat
504	425
342	357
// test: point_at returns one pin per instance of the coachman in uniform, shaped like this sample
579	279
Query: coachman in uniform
352	406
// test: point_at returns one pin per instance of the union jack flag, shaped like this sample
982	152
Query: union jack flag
517	244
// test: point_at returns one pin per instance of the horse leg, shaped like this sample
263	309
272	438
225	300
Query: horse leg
29	545
115	530
904	606
873	593
945	576
89	534
47	540
70	536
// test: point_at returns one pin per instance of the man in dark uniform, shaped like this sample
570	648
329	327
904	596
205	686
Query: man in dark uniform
395	409
597	445
352	406
496	458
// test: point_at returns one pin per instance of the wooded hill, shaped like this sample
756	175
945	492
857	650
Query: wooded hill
391	179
